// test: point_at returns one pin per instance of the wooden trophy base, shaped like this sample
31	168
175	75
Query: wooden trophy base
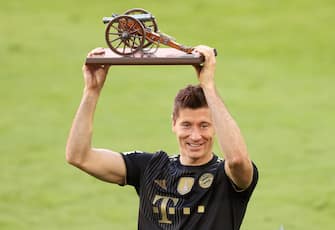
163	56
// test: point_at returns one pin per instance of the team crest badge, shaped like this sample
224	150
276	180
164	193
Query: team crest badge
206	180
185	185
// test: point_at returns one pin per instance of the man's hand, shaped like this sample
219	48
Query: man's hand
206	72
95	74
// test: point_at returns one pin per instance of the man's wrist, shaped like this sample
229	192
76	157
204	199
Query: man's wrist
91	93
208	86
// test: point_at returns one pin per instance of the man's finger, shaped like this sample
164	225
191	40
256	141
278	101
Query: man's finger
96	51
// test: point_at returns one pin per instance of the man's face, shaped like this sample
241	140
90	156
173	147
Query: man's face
195	133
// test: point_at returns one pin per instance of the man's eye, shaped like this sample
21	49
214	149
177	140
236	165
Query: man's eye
204	126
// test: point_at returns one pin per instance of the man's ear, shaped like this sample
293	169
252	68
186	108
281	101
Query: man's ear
173	124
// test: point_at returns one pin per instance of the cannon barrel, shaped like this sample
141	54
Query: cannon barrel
140	17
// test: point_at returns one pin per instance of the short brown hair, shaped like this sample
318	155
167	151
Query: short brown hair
192	96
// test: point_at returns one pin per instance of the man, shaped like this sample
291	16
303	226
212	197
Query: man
194	190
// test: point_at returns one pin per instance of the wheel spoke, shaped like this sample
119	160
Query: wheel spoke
132	26
134	31
124	48
120	31
136	42
136	36
118	45
133	46
127	24
115	39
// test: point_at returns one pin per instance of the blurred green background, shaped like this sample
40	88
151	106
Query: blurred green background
275	71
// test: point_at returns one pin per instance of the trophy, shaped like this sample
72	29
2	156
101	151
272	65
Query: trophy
133	38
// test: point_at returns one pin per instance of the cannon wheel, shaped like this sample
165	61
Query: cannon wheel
151	24
125	35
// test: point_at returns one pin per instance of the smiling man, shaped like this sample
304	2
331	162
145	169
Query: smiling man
193	126
195	189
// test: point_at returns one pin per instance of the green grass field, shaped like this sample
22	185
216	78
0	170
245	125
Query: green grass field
275	71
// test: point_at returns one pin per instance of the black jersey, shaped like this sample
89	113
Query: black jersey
177	197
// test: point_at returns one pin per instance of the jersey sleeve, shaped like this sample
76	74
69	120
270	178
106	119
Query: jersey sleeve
248	191
136	163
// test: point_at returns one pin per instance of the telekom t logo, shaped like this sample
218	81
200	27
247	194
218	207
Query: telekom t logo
164	209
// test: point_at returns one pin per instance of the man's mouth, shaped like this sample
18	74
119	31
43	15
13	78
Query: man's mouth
195	145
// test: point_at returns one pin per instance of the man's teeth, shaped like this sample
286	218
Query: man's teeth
195	145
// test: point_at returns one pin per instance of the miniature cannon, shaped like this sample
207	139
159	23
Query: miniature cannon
136	30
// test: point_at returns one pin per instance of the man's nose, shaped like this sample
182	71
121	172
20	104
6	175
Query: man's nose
195	135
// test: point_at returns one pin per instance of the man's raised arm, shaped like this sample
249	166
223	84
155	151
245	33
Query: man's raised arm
101	163
238	165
